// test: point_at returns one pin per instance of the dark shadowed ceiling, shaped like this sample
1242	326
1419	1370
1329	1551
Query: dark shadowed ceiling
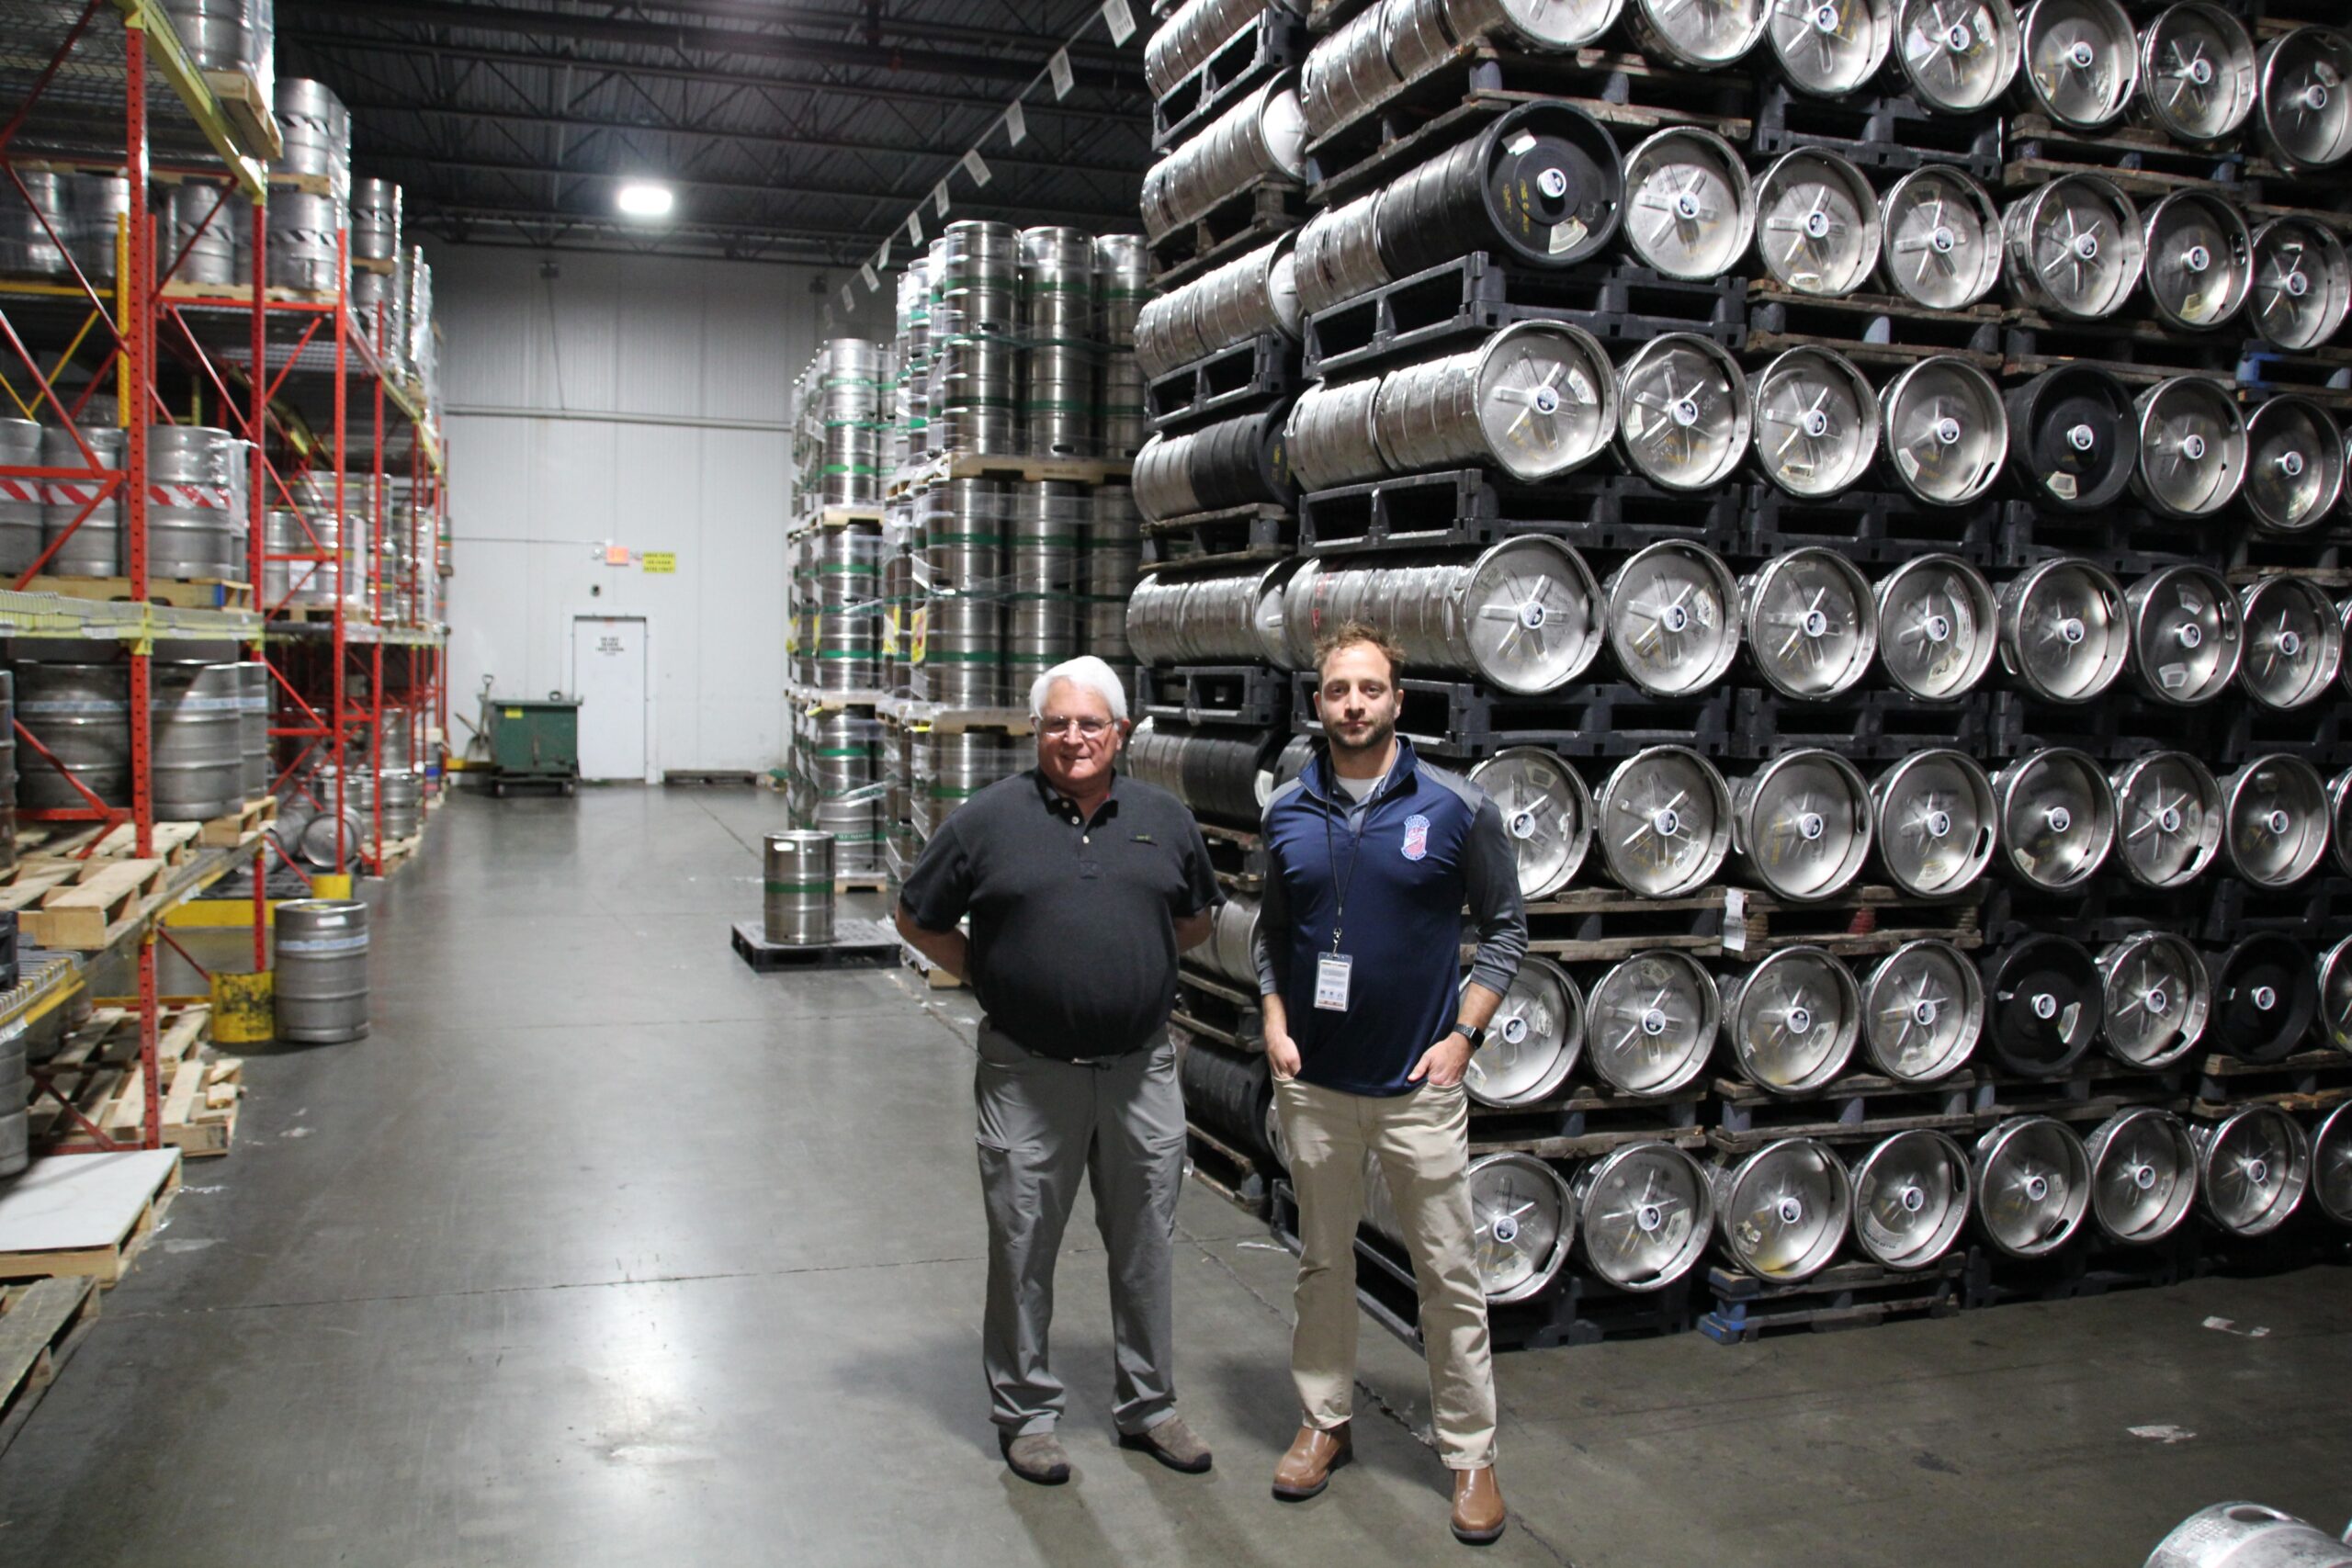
792	130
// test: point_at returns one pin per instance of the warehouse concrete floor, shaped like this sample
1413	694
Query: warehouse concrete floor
605	1250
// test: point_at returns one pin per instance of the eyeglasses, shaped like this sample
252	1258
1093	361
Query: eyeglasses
1092	729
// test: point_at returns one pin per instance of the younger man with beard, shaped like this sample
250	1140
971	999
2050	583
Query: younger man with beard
1368	1029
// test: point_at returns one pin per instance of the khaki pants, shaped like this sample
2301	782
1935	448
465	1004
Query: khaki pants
1422	1143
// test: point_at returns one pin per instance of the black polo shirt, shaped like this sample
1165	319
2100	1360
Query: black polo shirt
1073	923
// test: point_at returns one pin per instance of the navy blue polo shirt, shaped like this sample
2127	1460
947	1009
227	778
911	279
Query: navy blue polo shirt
1073	922
1424	846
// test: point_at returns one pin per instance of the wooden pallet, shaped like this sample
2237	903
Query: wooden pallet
232	829
836	517
1241	1179
2093	1091
1022	470
387	266
43	1323
181	291
1858	923
1845	1295
1585	1122
2309	1080
1604	924
1856	1107
180	594
85	911
1871	329
200	1092
105	1263
250	114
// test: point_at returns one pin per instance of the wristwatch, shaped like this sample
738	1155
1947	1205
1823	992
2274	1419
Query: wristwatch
1476	1036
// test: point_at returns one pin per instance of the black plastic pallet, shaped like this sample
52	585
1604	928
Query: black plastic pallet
2087	1266
1242	222
1474	506
1870	328
857	944
2110	908
1245	695
2126	539
2141	163
2113	729
1866	724
2319	732
2132	350
1261	370
1872	528
1875	131
2324	376
2318	909
1274	42
1624	90
1462	719
1463	300
2094	1088
2324	555
1577	1310
1844	1295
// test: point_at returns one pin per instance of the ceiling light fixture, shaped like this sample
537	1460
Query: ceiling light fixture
640	199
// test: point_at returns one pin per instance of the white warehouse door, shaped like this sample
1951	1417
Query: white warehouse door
608	676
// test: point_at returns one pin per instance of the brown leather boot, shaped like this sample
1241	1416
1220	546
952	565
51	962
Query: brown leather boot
1477	1506
1313	1455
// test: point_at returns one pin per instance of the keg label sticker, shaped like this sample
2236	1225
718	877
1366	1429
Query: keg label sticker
1119	19
1416	837
1064	77
660	562
324	944
2062	486
975	166
1016	124
1566	236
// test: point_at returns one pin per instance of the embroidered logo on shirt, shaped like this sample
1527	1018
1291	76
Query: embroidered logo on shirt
1417	836
1143	838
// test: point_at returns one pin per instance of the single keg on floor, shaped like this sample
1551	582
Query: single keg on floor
322	964
796	889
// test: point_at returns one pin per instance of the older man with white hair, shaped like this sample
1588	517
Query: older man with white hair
1082	887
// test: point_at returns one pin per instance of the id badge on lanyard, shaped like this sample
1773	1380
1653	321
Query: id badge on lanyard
1331	981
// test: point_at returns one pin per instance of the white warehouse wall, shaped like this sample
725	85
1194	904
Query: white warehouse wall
639	402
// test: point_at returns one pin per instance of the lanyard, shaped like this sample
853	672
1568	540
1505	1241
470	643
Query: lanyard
1355	852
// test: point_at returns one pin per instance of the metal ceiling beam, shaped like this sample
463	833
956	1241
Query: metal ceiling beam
969	204
310	38
829	248
747	138
870	22
723	42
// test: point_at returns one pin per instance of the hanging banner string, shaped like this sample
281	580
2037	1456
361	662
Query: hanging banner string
1118	19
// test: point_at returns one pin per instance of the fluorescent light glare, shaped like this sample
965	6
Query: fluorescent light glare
640	199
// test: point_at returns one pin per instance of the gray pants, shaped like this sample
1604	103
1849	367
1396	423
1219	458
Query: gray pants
1042	1121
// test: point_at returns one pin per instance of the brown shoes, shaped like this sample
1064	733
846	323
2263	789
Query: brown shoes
1173	1444
1313	1455
1477	1506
